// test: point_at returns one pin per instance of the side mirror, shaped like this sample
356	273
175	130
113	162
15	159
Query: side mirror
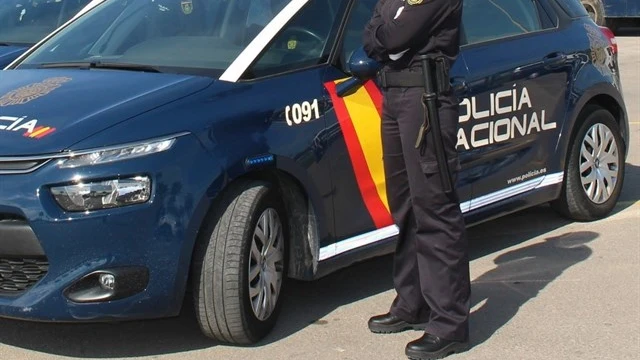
362	67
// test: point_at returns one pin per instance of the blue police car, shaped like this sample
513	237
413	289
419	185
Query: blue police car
154	147
25	22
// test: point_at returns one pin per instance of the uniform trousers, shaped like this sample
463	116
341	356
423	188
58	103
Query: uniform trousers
431	263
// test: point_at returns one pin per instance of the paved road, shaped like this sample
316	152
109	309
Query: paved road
543	288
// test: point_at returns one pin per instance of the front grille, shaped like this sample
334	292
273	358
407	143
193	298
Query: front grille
21	165
11	217
20	274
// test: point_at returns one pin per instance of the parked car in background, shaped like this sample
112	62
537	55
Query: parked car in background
611	13
25	22
154	147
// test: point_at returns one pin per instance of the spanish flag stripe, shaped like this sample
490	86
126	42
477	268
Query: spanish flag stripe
366	121
28	134
375	95
37	131
43	134
378	209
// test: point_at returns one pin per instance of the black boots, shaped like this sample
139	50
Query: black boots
427	347
387	324
432	347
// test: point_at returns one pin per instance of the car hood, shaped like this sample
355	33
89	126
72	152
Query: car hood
10	53
47	111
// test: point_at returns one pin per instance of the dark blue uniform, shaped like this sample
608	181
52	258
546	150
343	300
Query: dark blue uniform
431	271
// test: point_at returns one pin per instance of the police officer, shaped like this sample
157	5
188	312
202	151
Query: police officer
431	266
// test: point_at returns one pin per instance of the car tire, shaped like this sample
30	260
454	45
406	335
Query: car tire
595	10
599	194
227	267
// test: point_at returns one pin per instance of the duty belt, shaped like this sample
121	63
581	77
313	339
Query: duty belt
415	77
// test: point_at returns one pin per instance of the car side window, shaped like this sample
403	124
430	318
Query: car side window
305	41
360	14
485	20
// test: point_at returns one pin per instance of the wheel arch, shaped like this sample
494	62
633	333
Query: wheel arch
303	209
602	95
304	225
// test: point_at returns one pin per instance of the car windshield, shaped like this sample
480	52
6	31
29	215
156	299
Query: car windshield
180	36
25	22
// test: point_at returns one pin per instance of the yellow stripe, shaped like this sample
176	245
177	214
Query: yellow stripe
634	122
366	121
34	134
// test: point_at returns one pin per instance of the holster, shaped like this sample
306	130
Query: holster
442	75
436	82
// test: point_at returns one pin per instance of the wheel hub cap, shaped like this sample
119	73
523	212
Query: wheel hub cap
591	11
266	264
599	164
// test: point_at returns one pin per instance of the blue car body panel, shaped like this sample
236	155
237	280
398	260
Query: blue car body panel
161	227
122	97
509	160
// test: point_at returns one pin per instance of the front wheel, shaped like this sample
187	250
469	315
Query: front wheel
240	265
595	168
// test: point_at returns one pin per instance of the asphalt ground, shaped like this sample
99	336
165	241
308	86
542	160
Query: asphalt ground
543	288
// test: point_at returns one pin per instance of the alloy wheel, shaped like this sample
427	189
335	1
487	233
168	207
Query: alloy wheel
591	11
599	164
266	264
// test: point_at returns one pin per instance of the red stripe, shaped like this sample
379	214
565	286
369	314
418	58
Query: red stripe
27	134
375	94
376	208
45	133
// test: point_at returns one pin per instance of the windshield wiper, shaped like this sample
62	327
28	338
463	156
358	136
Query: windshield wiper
101	65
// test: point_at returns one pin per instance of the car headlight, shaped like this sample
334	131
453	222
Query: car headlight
108	155
103	194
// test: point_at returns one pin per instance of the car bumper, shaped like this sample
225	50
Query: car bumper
46	253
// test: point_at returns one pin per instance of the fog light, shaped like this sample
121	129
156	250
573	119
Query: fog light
108	281
108	284
103	194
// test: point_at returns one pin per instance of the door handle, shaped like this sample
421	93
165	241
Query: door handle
459	85
554	60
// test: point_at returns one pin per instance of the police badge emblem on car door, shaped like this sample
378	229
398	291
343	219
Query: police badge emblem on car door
187	6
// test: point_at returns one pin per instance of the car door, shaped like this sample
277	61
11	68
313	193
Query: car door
362	214
288	75
516	88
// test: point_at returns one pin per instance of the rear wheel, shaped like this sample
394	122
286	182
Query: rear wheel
240	265
595	168
595	10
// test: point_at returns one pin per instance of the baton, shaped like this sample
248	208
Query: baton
429	99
